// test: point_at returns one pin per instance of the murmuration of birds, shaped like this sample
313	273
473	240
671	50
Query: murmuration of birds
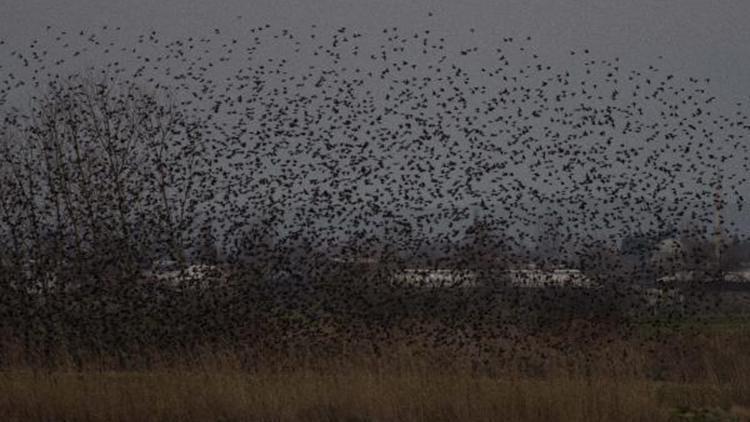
326	190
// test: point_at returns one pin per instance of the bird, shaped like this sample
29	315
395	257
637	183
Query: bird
268	168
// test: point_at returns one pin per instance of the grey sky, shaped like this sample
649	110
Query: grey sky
696	37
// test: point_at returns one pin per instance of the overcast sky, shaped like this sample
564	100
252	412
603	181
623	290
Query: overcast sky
687	37
696	37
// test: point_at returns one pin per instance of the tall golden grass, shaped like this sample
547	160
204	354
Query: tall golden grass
679	375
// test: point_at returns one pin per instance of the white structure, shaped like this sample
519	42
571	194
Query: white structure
679	277
196	275
435	278
741	276
356	261
669	255
536	278
669	247
526	278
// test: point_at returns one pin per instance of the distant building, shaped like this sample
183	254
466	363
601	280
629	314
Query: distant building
522	278
668	255
739	275
359	260
669	246
680	277
196	275
435	278
537	278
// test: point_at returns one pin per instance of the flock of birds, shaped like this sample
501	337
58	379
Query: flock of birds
275	149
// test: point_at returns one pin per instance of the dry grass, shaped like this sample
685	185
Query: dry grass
710	381
363	395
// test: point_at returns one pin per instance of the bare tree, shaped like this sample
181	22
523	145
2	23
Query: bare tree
92	162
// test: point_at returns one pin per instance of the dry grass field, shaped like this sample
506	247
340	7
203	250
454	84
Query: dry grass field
693	373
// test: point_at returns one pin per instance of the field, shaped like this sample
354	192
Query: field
693	370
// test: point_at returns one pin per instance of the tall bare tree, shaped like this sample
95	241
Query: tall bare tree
94	161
